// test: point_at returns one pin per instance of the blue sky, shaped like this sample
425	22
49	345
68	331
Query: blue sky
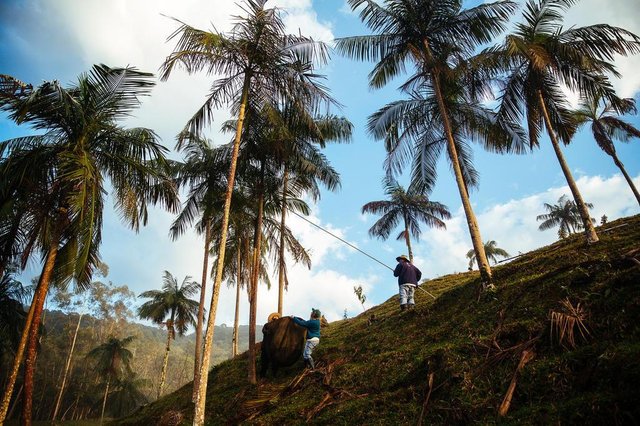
59	39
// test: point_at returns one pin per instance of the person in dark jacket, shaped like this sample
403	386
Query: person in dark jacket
313	335
408	277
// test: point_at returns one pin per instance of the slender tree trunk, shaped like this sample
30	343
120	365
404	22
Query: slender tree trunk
104	401
627	177
253	303
472	222
198	353
281	265
30	360
407	240
15	402
66	371
64	415
236	319
165	360
198	418
8	393
589	230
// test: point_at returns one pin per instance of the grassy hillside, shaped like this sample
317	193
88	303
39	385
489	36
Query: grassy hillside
461	351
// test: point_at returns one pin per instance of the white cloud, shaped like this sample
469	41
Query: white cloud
134	32
619	13
513	224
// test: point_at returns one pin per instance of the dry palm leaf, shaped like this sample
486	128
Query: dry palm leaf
566	321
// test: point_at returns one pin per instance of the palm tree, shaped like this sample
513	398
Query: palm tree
173	308
203	172
407	207
67	366
53	185
564	214
427	35
541	58
255	54
606	126
112	362
297	137
491	249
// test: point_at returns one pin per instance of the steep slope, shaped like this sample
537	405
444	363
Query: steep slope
572	311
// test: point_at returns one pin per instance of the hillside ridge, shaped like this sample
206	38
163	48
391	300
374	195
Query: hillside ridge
561	329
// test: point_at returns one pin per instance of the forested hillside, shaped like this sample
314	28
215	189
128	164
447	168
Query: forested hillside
556	342
84	387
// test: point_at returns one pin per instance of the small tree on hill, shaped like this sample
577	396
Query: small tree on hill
112	363
565	214
492	251
173	308
360	295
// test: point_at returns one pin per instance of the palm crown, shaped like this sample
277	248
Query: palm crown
606	127
406	207
565	214
172	305
491	249
58	178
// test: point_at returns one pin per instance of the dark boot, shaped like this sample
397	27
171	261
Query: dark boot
307	364
402	308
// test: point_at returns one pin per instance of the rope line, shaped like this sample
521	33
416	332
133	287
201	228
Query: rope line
352	246
336	237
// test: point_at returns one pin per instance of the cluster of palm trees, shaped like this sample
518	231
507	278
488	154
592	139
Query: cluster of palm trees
52	186
438	43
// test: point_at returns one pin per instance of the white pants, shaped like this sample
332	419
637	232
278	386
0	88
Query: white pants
406	294
309	347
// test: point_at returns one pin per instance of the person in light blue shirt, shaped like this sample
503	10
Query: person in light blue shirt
313	335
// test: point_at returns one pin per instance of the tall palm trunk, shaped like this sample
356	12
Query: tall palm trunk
8	393
66	371
236	319
30	360
253	300
104	400
198	352
407	240
165	360
198	418
281	265
472	222
589	230
618	163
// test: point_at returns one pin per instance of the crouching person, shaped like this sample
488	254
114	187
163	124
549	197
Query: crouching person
313	335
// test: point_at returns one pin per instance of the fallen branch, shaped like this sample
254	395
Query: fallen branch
426	400
331	398
613	227
527	355
631	255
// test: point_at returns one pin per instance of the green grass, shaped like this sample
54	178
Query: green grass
377	373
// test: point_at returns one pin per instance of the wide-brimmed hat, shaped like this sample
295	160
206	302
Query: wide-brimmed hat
402	256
